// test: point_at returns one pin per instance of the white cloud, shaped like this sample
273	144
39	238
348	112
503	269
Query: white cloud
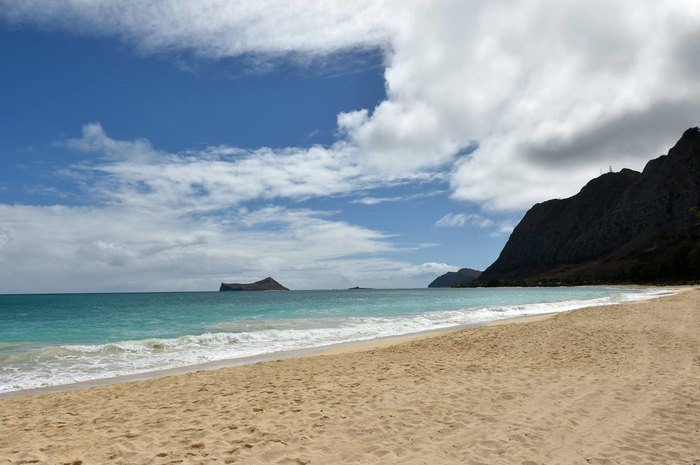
550	91
61	248
376	200
164	221
4	238
94	139
504	228
217	28
377	272
369	200
429	269
133	173
452	220
457	220
498	227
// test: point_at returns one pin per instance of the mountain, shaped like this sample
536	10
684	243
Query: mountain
455	278
621	227
267	284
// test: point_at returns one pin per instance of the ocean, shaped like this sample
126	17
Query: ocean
49	340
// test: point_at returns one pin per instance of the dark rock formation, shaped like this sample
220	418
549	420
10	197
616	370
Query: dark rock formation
455	278
621	227
267	284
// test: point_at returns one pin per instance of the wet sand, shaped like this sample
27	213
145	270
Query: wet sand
604	385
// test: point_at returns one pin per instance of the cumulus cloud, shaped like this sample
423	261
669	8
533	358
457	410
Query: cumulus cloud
516	102
548	92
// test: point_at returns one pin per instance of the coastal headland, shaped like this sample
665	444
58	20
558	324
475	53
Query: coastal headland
622	227
601	385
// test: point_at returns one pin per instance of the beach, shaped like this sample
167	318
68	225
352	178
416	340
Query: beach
613	384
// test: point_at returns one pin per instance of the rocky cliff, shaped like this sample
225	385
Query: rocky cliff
621	227
455	278
267	284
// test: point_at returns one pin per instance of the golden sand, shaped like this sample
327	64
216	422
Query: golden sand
605	385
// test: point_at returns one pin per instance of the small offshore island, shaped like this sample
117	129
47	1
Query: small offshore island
267	284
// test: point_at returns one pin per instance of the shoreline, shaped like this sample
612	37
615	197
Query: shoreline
331	349
340	347
597	385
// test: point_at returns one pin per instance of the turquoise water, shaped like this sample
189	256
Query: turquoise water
61	339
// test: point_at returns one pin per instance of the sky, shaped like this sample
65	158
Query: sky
172	145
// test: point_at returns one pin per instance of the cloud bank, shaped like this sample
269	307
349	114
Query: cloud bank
550	92
541	95
59	249
513	102
186	221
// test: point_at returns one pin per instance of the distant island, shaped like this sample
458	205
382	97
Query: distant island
267	284
456	278
622	227
357	288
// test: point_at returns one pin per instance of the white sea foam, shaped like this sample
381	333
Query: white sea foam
67	364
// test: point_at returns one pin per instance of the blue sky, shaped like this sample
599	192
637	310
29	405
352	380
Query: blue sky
166	146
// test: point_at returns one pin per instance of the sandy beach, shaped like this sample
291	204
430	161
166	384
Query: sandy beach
604	385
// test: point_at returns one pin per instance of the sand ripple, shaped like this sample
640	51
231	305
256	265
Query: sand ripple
607	385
